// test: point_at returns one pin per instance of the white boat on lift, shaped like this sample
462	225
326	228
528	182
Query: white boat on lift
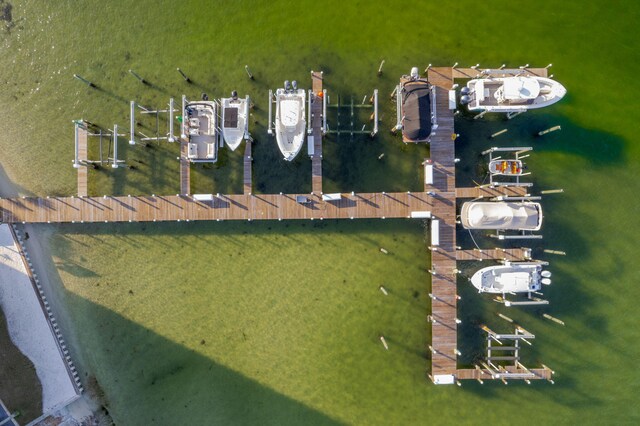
290	119
511	94
521	216
517	277
506	167
235	120
201	130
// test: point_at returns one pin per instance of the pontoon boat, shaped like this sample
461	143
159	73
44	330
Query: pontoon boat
415	100
200	127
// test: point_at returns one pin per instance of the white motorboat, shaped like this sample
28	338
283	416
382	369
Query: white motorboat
521	216
200	129
415	100
523	277
506	167
235	120
511	94
290	119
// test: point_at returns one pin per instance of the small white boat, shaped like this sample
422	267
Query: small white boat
509	278
235	120
521	216
290	119
201	130
511	94
506	167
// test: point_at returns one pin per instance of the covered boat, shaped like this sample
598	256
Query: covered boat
235	120
415	104
522	277
290	119
201	130
511	94
521	216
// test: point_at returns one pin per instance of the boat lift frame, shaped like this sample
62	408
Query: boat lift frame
110	135
518	154
169	136
373	103
509	353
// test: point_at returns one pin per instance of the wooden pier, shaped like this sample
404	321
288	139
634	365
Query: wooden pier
317	131
185	168
82	159
248	160
437	202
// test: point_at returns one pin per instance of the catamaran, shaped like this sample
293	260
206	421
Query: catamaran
516	277
290	119
235	120
200	128
521	216
415	100
511	94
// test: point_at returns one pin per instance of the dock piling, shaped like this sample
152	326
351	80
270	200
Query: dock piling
140	79
187	79
549	130
246	68
380	68
84	80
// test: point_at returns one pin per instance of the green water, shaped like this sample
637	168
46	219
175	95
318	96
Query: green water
306	362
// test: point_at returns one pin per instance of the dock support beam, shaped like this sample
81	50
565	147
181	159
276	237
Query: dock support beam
132	123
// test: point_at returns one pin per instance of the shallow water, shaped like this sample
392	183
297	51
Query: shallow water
341	374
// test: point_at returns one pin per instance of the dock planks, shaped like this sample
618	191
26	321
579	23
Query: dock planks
317	132
82	159
247	183
185	168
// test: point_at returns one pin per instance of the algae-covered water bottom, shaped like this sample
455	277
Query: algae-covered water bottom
159	312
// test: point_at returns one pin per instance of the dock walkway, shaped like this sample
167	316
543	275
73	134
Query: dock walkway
82	159
317	132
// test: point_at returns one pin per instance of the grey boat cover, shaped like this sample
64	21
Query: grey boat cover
416	110
230	117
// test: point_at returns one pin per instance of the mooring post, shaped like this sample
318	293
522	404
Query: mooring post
384	290
380	68
140	79
384	342
187	79
84	80
549	130
246	68
499	133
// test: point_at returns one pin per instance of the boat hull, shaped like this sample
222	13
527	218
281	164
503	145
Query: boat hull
523	216
511	278
506	167
290	122
513	94
235	116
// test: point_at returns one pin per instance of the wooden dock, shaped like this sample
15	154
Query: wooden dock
513	255
185	168
82	159
247	183
317	132
438	201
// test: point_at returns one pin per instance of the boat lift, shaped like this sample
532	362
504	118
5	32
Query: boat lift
503	361
169	136
106	135
523	235
352	106
520	153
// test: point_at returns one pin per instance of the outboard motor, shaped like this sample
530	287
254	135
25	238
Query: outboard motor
295	85
465	90
205	97
234	95
465	99
415	73
287	86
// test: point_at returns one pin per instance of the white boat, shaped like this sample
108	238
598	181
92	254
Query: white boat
290	119
415	100
235	120
200	129
511	94
506	167
522	277
521	216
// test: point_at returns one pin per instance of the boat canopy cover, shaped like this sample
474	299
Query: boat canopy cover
416	109
231	117
521	88
501	215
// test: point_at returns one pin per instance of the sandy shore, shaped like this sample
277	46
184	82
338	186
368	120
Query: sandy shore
28	326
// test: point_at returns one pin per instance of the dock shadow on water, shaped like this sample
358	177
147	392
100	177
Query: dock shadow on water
146	389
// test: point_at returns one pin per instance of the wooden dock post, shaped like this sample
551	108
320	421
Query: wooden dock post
84	80
384	343
380	68
187	79
246	68
549	130
140	79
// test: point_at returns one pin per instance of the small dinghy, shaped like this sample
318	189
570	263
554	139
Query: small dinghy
506	167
